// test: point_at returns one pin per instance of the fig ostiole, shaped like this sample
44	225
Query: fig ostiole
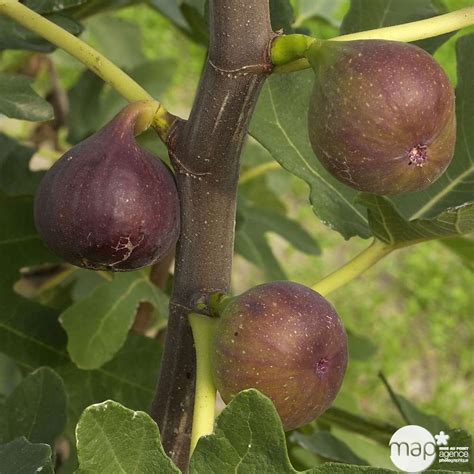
381	115
108	204
288	342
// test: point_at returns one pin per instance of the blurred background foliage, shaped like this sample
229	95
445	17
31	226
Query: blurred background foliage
411	314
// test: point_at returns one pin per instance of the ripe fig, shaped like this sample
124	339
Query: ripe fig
285	340
381	115
107	204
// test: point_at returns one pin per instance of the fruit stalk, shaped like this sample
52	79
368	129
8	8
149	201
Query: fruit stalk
287	51
358	265
205	153
205	395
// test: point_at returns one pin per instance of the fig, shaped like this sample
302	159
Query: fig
108	204
381	115
288	342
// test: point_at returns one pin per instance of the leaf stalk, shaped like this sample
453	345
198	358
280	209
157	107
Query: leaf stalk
91	58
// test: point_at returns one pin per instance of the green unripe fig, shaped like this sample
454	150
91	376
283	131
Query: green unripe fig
107	204
381	116
285	340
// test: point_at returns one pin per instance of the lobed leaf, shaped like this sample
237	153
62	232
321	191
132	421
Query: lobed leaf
112	438
97	326
249	437
33	337
248	433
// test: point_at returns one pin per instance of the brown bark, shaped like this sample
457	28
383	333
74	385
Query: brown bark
205	153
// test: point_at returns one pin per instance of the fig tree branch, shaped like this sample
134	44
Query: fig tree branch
205	153
288	53
91	58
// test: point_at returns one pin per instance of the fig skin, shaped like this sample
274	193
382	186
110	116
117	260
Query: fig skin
107	204
381	116
285	340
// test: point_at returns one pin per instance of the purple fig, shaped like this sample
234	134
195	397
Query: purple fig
107	204
381	116
285	340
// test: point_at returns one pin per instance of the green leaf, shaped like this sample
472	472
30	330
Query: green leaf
84	99
390	227
251	240
117	39
248	433
50	6
281	13
360	347
129	378
327	446
172	11
93	104
455	186
84	283
249	437
412	415
33	337
373	429
336	468
326	9
112	438
97	326
15	36
371	14
36	409
18	100
280	125
194	11
22	457
93	7
463	247
434	424
10	376
20	244
261	190
15	175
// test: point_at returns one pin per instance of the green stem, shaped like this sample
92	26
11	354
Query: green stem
358	265
205	395
286	51
92	59
257	171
